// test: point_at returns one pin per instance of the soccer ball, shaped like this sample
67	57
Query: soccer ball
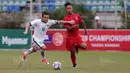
56	65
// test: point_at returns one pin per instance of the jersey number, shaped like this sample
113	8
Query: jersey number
43	29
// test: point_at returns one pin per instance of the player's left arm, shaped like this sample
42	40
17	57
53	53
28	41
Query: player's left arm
82	22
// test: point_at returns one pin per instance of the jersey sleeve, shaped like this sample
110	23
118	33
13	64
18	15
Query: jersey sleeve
53	22
66	25
33	23
79	17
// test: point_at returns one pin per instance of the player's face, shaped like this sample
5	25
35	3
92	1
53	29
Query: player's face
69	9
45	18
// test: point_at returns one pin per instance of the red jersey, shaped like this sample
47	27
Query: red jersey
77	18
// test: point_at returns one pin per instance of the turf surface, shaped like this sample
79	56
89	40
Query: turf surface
88	62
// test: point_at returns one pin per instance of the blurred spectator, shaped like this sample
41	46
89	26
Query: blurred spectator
98	22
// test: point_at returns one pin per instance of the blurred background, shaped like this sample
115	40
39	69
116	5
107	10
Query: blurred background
108	51
97	14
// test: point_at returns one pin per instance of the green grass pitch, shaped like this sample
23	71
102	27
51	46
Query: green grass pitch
88	62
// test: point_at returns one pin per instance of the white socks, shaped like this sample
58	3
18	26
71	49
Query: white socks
29	51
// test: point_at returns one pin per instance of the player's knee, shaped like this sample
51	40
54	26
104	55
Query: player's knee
33	50
43	47
84	46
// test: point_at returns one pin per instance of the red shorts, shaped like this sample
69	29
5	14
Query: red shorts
72	42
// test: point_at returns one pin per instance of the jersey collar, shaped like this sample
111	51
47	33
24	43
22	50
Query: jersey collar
43	21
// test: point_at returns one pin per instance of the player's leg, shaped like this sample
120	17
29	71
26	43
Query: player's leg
83	46
76	48
29	51
81	43
71	47
43	53
25	53
42	48
73	58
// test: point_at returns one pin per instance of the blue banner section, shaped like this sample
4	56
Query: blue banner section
48	39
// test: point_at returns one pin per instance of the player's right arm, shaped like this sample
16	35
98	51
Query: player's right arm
68	26
72	27
32	23
26	29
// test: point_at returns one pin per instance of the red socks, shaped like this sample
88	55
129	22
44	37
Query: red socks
73	58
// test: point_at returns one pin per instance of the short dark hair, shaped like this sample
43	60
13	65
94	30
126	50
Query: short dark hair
45	13
67	3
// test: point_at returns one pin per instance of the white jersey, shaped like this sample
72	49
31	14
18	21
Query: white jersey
40	27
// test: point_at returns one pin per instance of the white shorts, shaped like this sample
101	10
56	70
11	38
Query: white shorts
37	43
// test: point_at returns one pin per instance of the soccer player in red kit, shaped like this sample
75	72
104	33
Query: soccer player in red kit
73	39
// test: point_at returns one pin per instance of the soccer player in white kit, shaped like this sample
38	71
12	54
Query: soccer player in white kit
40	29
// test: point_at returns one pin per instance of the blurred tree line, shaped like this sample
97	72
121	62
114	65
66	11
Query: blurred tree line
87	15
12	20
16	19
126	23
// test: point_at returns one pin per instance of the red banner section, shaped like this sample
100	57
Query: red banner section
57	40
116	40
100	40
